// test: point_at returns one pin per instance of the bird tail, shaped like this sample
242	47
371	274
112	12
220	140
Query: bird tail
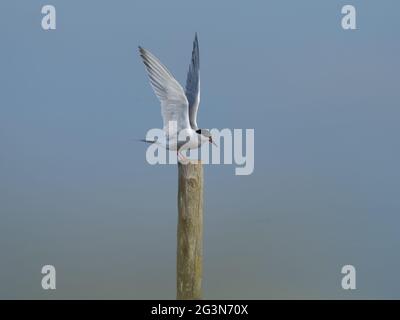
147	141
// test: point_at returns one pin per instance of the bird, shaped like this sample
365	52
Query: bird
179	107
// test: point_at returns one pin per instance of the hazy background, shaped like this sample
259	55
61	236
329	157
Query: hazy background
77	193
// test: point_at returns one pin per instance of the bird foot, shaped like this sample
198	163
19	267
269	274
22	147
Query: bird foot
182	159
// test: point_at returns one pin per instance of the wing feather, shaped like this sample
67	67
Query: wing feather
193	84
174	104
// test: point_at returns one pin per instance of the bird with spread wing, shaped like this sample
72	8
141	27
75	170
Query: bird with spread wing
178	107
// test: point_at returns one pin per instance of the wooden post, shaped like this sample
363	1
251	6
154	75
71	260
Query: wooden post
190	231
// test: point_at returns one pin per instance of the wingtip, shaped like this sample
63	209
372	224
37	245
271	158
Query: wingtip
142	50
142	53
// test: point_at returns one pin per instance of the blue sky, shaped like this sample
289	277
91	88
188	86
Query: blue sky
76	191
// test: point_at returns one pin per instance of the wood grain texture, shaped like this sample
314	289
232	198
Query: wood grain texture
190	231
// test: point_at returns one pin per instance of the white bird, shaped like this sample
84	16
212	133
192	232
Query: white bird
178	108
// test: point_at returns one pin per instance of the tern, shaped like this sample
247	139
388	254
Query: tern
178	107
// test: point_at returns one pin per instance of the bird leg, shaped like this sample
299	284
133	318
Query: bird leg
182	159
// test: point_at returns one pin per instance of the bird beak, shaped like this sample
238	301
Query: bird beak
211	141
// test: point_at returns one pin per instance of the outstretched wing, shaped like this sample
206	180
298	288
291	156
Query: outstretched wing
193	84
174	104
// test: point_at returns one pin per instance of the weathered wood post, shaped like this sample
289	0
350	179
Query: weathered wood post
190	231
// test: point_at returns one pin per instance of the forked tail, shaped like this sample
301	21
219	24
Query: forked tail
148	141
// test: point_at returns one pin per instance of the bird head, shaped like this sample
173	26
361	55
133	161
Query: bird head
206	134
